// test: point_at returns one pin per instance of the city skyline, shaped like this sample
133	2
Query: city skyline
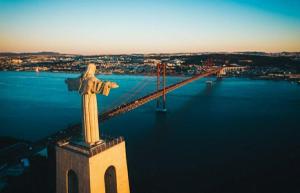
118	27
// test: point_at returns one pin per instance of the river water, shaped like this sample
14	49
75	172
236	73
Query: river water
239	135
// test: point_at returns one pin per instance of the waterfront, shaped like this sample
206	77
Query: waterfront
240	135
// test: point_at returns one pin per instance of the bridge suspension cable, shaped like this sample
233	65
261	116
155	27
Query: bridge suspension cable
131	94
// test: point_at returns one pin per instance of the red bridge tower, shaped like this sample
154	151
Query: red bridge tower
161	85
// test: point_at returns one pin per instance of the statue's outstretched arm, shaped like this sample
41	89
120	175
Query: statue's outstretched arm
104	87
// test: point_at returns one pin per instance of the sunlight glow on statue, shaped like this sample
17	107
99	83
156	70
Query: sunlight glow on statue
88	86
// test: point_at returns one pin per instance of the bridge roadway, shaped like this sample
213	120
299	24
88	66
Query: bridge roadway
76	129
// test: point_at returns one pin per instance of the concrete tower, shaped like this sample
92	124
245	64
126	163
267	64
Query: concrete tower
91	165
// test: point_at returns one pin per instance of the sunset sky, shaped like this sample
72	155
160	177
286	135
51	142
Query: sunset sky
154	26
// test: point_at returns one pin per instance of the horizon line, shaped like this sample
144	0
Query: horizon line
153	53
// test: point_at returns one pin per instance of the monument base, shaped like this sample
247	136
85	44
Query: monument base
101	168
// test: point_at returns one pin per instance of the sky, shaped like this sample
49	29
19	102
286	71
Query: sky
153	26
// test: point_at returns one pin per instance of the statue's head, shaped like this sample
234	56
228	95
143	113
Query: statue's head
90	70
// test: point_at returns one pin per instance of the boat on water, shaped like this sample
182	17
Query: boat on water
37	69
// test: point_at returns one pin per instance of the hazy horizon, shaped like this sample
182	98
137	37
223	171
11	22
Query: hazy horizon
233	52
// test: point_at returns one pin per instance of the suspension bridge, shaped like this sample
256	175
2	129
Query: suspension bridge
155	95
161	92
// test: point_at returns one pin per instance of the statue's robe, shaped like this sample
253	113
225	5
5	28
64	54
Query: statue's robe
88	88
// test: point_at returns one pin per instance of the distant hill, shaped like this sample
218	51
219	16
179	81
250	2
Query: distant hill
24	54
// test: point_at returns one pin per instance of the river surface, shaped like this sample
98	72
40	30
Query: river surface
239	135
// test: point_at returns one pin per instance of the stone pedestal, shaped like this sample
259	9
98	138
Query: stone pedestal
98	169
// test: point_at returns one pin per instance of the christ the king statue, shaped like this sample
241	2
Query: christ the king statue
88	86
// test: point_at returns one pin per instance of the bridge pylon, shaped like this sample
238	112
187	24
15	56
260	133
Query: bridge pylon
161	85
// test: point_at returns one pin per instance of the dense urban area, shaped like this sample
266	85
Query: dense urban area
284	65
